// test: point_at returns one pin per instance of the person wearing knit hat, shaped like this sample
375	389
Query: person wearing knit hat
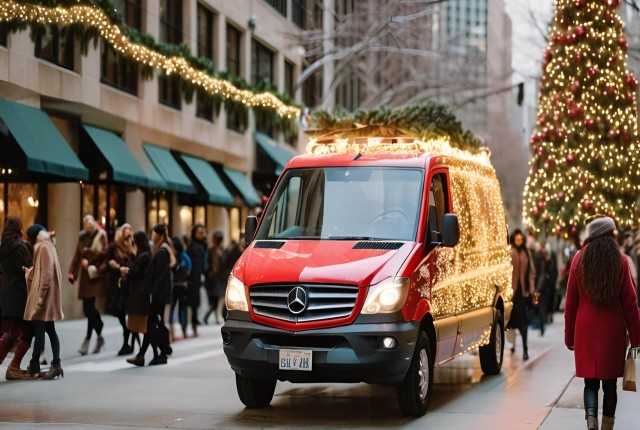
44	304
601	305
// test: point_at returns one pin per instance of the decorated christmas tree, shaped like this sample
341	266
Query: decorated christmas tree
585	145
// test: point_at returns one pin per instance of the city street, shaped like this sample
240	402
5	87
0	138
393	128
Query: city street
196	390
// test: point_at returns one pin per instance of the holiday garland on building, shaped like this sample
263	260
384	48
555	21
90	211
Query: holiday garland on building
91	20
586	141
429	120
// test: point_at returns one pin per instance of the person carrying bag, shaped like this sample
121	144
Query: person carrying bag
601	306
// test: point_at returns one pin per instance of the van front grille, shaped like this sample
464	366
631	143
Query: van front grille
303	303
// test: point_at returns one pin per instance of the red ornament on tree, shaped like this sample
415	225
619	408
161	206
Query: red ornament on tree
561	195
570	158
631	98
593	71
575	87
622	42
631	82
612	3
580	31
586	204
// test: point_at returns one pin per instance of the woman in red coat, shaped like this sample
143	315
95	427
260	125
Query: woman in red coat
600	307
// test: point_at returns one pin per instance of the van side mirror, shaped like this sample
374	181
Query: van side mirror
250	227
450	230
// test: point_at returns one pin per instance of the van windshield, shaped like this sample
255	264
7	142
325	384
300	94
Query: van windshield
361	203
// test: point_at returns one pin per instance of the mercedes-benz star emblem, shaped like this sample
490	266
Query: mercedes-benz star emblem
297	300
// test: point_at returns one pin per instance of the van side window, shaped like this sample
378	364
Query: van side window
437	207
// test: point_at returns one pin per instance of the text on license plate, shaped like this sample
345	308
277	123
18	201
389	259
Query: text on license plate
295	359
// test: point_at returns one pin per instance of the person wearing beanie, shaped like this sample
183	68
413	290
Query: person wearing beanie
43	308
600	307
14	255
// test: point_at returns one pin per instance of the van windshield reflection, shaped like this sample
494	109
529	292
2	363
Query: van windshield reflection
356	203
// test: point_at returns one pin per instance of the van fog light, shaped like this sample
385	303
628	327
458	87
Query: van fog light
389	343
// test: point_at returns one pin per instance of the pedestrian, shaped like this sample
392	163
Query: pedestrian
522	282
14	255
180	288
601	305
44	305
231	256
546	285
89	256
197	251
137	278
627	251
216	279
119	254
157	336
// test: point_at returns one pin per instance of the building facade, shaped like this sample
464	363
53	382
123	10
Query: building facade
85	130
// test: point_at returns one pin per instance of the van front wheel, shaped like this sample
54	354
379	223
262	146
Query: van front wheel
414	393
491	354
255	393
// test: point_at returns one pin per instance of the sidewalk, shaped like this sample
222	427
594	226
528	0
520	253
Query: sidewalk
566	412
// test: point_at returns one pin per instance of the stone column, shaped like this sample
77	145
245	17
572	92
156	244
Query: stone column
64	219
136	210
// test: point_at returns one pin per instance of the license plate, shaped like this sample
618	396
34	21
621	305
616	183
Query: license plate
295	359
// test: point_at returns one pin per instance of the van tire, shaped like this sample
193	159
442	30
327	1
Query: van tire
492	354
255	393
413	399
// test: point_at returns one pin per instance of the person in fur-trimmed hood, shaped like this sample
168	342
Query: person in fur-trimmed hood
43	308
89	256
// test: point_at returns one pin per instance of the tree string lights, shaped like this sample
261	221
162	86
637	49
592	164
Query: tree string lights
94	17
586	141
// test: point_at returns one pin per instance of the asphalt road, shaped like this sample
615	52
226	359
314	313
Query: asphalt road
196	390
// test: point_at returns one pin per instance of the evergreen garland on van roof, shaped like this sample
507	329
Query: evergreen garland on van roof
426	120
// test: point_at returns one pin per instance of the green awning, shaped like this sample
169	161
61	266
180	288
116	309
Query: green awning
169	169
45	148
276	152
210	180
155	179
246	188
124	165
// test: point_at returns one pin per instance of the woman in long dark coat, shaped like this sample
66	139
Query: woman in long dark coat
157	333
14	255
523	284
138	282
118	255
600	307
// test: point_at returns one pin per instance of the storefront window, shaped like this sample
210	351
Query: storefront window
106	211
23	202
200	215
158	208
2	214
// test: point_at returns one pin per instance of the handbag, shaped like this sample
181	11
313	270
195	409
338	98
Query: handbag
629	379
137	323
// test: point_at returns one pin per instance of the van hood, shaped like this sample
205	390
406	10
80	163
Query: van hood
320	261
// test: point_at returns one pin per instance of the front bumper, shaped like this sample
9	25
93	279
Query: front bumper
352	353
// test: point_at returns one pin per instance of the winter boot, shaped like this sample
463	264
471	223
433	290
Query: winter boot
592	422
607	423
13	371
99	345
34	368
55	370
84	349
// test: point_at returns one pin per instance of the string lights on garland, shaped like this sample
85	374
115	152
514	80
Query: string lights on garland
95	18
585	145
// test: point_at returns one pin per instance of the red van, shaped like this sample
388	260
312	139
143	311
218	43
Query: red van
375	260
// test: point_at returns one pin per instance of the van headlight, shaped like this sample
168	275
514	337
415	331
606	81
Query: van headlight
235	297
387	296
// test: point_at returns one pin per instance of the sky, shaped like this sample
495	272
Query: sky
530	22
